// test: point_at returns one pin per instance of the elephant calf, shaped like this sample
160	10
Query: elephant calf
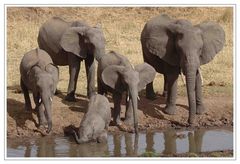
95	122
117	75
40	75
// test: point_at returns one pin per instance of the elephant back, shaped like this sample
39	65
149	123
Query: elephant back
50	34
159	41
113	58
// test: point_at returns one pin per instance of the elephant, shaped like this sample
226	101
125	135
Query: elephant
68	43
39	75
172	46
115	74
95	122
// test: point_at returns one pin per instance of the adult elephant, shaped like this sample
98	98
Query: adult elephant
171	46
68	43
117	75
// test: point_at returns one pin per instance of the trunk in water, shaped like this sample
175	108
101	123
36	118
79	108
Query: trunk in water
191	85
48	111
134	96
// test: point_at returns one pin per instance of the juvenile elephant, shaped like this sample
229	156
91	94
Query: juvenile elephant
95	122
171	46
116	75
68	43
39	75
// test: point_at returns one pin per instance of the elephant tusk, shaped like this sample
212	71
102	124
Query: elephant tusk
138	98
127	98
40	100
50	99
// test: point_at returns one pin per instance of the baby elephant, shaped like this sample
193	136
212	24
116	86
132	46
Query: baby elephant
39	75
95	122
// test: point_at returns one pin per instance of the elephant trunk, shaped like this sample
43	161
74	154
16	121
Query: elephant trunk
191	85
47	101
98	53
134	98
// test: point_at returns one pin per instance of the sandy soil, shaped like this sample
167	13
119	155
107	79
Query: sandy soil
219	113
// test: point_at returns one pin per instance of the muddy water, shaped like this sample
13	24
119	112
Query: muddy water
168	142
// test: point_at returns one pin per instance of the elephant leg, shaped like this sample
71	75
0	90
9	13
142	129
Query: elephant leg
74	68
100	87
172	93
28	106
36	98
199	102
165	92
150	94
90	71
117	108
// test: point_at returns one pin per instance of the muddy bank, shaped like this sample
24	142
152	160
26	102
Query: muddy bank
219	113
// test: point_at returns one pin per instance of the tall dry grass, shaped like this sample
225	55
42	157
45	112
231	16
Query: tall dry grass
122	27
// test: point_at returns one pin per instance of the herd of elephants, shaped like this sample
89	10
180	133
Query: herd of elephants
169	46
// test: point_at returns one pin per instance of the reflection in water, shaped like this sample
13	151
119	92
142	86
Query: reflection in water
125	144
170	142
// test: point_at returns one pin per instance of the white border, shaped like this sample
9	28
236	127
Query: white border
221	4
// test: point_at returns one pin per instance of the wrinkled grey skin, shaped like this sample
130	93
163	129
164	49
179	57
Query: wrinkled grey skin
95	122
68	43
116	75
171	46
39	75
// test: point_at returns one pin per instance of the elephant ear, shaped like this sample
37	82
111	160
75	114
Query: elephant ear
110	75
146	75
70	40
160	42
213	40
54	71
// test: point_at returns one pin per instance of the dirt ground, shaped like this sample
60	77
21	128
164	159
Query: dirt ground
219	113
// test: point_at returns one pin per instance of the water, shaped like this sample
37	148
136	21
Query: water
124	145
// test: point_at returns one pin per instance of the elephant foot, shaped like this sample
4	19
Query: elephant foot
191	120
126	128
129	121
70	97
151	96
200	109
170	109
117	122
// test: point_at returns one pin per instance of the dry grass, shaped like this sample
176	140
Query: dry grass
122	28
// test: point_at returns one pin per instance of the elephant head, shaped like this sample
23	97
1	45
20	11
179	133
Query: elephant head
82	39
126	78
45	86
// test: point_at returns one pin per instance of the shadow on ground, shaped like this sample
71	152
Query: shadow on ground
15	109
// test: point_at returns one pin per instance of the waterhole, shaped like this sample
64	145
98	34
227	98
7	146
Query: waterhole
125	144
